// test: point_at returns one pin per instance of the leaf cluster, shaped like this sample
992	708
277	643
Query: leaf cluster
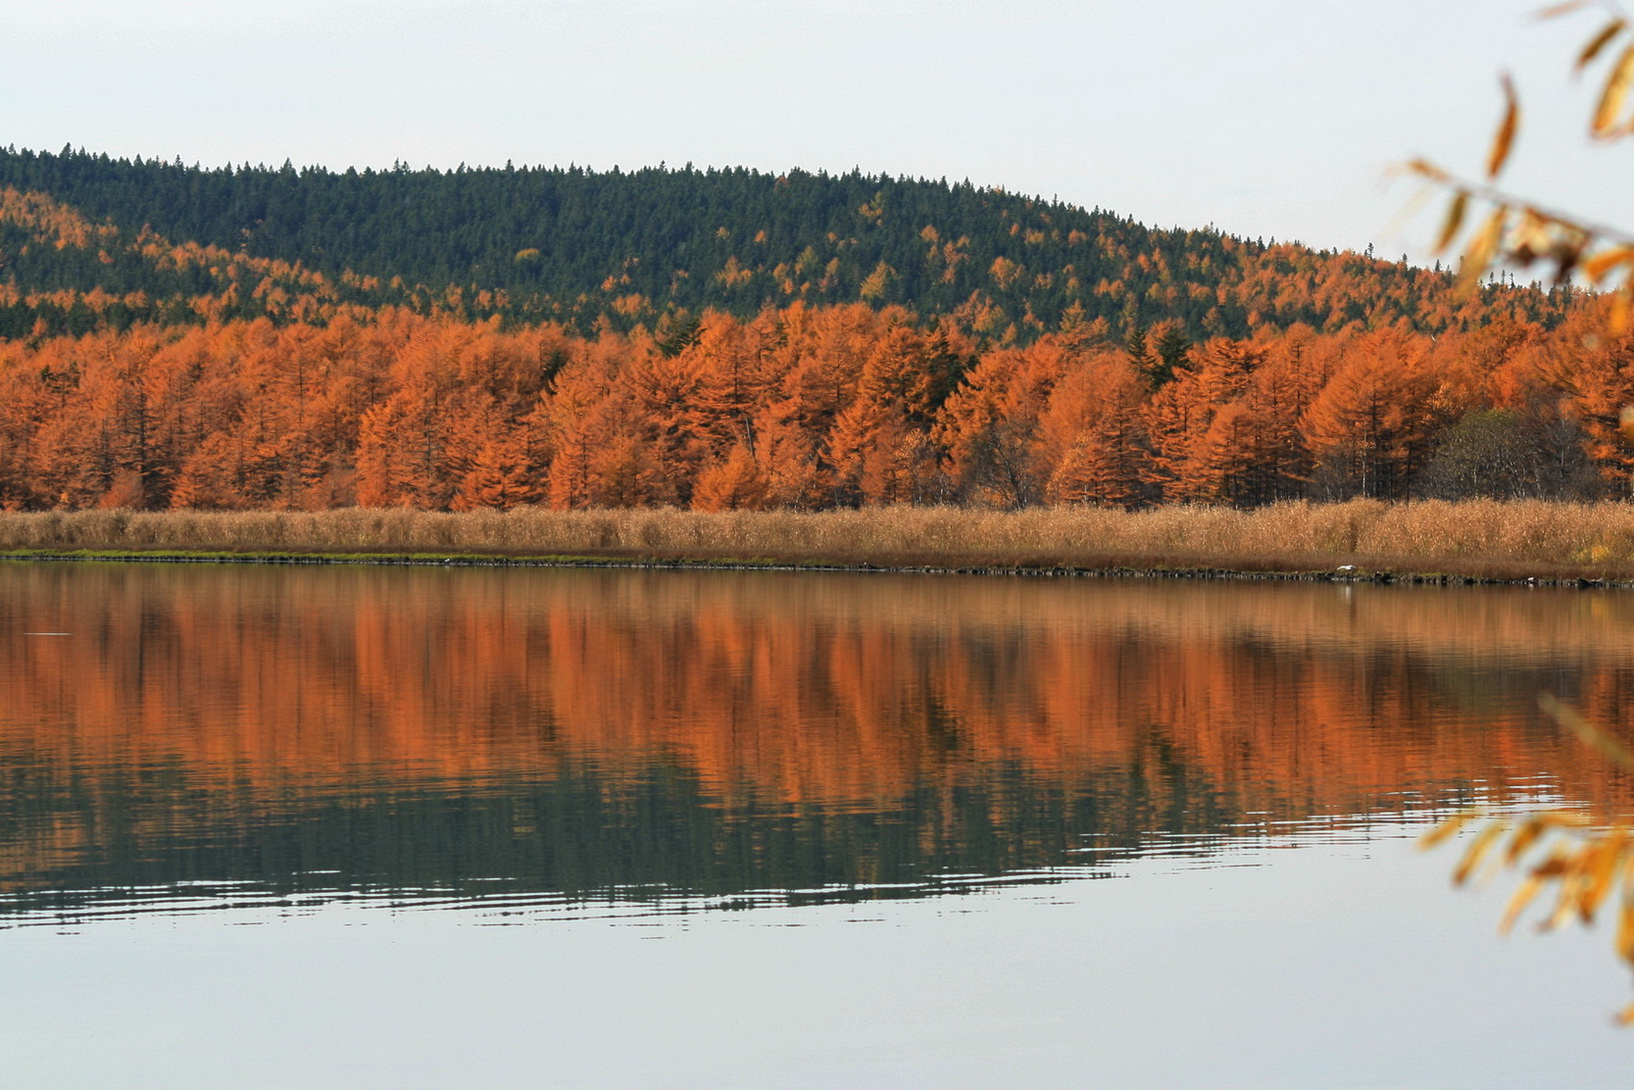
1522	233
1558	851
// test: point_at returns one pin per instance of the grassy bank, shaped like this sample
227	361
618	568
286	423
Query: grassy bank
1483	539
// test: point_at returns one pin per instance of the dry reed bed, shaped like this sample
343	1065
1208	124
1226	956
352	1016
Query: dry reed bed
1552	538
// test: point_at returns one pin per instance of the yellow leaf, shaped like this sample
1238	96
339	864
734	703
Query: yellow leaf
1535	826
1483	247
1477	850
1614	95
1574	819
1625	932
1599	42
1596	267
1626	1015
1571	884
1505	139
1600	867
1455	220
1517	904
1447	828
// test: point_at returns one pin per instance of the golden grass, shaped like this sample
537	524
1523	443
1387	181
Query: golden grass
1505	539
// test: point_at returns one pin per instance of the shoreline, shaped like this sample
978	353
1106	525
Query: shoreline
1489	573
1481	542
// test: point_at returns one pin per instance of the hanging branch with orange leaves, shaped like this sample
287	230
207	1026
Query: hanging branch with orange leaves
1523	233
1560	850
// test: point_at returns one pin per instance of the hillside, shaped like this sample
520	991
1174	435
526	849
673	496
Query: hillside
179	338
89	242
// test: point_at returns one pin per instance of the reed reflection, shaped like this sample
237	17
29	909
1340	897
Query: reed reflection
578	732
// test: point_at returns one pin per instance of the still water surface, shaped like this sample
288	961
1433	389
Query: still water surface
376	827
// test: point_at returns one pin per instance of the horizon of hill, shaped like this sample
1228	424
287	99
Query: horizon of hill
90	242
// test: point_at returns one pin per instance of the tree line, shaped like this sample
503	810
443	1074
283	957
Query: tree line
802	407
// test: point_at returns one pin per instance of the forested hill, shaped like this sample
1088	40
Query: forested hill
87	242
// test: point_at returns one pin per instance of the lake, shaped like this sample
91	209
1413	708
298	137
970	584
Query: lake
399	828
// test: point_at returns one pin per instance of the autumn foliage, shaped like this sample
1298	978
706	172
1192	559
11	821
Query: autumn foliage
139	372
799	408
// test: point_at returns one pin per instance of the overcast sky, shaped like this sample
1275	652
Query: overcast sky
1263	117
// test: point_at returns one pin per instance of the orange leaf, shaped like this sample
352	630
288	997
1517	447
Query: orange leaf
1505	139
1553	867
1455	220
1596	267
1536	826
1426	169
1599	42
1477	850
1554	11
1484	247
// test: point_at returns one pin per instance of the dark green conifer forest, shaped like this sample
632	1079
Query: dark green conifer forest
615	249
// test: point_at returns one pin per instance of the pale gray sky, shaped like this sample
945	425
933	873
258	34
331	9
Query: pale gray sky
1263	117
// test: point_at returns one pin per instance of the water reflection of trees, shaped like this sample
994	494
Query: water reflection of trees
637	834
575	731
